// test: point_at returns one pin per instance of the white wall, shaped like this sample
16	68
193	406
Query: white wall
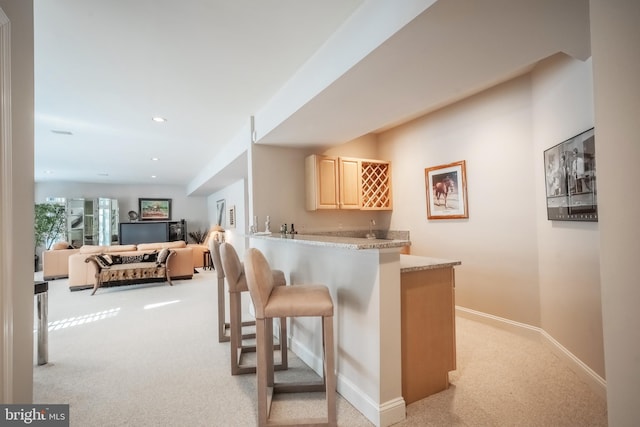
279	189
515	263
497	243
568	252
233	195
191	208
616	61
16	185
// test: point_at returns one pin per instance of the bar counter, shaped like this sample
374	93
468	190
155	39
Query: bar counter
355	243
364	279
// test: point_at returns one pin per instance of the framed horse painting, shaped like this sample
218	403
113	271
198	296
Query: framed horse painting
446	188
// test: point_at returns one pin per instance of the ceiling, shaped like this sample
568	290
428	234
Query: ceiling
311	72
103	69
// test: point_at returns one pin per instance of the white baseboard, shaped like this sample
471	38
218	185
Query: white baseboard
381	415
588	375
305	355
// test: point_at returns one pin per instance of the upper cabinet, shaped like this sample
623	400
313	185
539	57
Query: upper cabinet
376	185
347	183
321	182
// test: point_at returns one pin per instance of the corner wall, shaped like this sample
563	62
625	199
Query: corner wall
497	244
191	208
515	264
16	311
279	189
568	252
616	63
233	196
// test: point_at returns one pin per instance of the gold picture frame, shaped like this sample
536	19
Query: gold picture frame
154	209
446	190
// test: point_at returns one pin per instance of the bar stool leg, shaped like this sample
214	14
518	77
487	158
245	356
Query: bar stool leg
262	372
269	344
222	325
329	370
237	347
284	346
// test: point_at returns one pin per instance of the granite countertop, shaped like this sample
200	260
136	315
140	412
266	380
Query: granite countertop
335	241
416	263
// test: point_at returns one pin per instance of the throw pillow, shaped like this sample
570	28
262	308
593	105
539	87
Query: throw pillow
150	257
162	256
130	259
102	260
116	259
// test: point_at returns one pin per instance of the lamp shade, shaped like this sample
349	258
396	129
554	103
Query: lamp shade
218	233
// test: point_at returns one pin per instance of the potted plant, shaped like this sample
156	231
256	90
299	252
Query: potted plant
198	236
49	225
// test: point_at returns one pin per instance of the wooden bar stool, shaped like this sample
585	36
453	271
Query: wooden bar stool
236	281
223	325
272	301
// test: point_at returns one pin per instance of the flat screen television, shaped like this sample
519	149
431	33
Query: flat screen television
133	233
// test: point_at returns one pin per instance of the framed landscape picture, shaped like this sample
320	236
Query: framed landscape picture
446	187
570	179
154	209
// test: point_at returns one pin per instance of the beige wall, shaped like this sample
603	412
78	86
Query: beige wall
278	189
191	208
515	263
497	244
614	40
16	350
233	195
616	61
568	252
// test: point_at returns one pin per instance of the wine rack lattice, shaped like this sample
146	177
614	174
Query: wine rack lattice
376	185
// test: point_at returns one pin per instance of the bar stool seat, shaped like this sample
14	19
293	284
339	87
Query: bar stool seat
288	301
226	260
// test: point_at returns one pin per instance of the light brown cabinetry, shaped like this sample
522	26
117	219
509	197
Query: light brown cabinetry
375	178
428	331
347	183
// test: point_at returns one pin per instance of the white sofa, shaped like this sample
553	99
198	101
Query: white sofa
82	275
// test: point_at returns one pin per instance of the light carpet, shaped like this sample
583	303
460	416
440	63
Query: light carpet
148	355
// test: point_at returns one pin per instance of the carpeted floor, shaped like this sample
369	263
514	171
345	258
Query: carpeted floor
148	355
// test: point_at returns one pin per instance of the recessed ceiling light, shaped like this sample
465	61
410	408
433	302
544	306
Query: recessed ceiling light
48	172
155	159
159	119
61	132
153	176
